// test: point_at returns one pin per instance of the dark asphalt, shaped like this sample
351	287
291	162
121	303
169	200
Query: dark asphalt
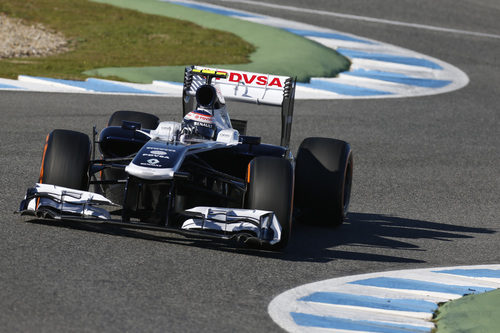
426	193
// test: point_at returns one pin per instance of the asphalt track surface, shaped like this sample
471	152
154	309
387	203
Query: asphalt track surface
425	194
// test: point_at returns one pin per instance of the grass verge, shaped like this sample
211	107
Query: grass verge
277	51
101	35
471	313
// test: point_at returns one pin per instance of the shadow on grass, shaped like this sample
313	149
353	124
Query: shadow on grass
362	237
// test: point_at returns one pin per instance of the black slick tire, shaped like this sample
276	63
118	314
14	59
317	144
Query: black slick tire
323	179
270	187
65	160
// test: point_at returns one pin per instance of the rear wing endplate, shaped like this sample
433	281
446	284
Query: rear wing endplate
265	89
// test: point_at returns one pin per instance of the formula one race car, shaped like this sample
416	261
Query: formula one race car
199	176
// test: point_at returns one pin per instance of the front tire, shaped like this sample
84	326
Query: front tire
323	178
270	187
66	159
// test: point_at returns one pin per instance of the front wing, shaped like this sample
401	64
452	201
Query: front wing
247	225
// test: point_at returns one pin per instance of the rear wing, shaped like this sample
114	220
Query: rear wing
265	89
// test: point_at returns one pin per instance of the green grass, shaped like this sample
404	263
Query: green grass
105	36
276	51
471	313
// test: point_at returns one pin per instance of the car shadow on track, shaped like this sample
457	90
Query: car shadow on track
370	237
362	237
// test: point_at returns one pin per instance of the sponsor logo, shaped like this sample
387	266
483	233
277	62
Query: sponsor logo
250	78
160	148
156	156
158	152
198	123
152	162
200	117
260	80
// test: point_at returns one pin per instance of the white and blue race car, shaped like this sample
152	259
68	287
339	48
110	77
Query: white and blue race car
203	175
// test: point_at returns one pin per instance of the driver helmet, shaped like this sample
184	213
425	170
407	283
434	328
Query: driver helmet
198	125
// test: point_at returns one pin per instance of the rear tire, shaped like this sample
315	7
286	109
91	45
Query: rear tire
65	160
271	188
323	178
147	120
